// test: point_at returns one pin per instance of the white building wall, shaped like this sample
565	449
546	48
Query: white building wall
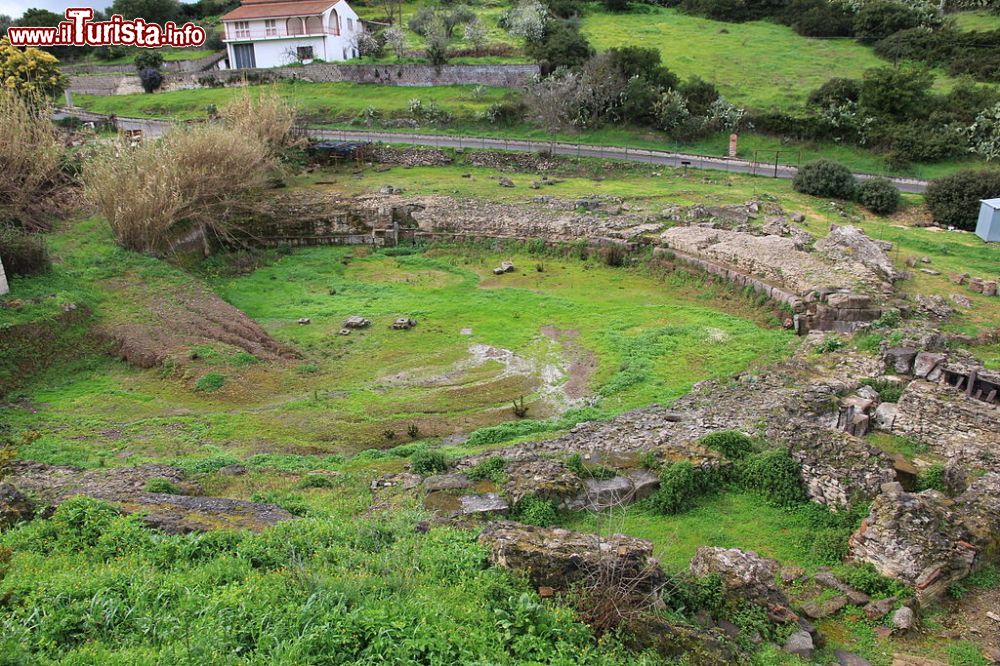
281	50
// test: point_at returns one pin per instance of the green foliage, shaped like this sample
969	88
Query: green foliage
831	343
148	59
865	578
429	461
210	382
22	253
879	196
562	46
888	391
589	471
206	465
491	469
681	484
825	178
774	475
827	539
293	503
730	443
880	18
316	481
534	510
954	200
161	485
932	478
898	93
966	653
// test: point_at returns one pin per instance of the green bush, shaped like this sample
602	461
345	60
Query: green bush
293	503
533	510
584	471
888	391
210	382
316	481
774	475
427	462
825	178
879	196
932	478
161	485
881	18
954	200
22	253
492	469
865	578
680	484
730	443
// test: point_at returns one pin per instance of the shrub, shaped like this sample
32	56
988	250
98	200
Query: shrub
161	485
881	18
151	79
954	200
316	481
865	578
194	177
562	46
825	178
293	503
932	478
836	91
730	443
888	391
585	471
492	469
680	484
210	382
879	196
22	253
31	157
149	60
901	93
774	475
533	510
613	254
427	462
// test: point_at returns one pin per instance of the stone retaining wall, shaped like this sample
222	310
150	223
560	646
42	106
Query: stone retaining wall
127	82
169	66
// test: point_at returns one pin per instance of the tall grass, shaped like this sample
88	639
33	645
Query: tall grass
265	115
29	161
191	183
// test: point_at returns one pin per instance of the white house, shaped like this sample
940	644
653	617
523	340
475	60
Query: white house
269	33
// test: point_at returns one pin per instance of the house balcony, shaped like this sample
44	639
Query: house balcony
285	29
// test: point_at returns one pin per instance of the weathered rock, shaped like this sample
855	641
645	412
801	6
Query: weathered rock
827	579
900	359
506	182
544	478
446	482
356	321
925	363
698	647
979	508
845	658
885	415
487	503
800	643
15	507
817	610
559	558
404	323
915	538
744	574
904	618
235	469
852	243
878	609
504	267
178	514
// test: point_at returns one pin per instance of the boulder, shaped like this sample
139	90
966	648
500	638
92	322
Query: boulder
926	362
900	359
845	658
800	643
545	478
817	610
876	610
828	580
745	575
904	619
15	507
235	469
915	538
446	482
852	243
356	321
488	503
404	323
559	558
885	415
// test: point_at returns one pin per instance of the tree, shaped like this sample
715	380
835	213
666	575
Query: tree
151	79
954	200
562	46
526	20
984	134
149	60
437	38
880	18
153	11
30	71
5	22
900	93
395	39
476	35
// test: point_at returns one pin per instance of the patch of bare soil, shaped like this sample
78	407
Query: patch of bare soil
969	618
173	322
582	362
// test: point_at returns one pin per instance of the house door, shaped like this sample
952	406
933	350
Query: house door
244	56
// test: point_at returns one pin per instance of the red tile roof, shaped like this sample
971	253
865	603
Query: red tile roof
258	9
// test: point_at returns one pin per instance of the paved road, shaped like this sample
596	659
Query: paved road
665	158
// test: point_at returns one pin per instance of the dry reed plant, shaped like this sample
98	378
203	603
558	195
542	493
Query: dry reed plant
29	161
191	183
264	115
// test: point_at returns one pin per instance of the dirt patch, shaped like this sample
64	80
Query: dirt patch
582	362
173	322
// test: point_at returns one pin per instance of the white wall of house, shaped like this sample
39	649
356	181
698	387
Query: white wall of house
277	41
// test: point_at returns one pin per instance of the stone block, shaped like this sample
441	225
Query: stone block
925	362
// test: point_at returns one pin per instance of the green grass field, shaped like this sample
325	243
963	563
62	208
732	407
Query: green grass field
981	20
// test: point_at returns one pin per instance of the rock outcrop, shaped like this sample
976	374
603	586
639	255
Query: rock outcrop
849	243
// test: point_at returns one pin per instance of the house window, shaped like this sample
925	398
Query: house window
350	25
271	28
304	53
242	29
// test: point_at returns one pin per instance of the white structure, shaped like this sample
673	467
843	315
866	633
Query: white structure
266	33
988	227
3	280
